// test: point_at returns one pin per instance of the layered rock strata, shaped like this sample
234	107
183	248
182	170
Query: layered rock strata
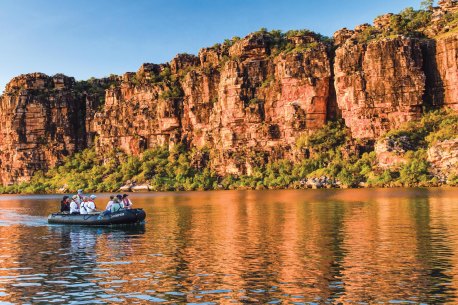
379	85
247	100
239	100
42	121
441	67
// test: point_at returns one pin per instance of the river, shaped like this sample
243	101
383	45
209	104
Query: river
362	246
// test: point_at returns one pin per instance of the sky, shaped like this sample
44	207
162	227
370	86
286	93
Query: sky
96	38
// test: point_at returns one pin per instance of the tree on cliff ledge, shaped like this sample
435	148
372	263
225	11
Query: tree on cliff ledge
427	4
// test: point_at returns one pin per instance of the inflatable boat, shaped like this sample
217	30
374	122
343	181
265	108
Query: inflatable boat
122	217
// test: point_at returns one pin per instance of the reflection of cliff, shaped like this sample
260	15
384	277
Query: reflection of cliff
440	248
248	100
334	246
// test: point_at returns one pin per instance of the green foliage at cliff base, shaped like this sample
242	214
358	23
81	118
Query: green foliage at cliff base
332	157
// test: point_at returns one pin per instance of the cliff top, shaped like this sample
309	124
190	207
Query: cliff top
428	22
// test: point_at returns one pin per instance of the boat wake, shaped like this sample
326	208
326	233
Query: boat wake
12	218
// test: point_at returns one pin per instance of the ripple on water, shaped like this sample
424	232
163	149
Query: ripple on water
145	297
176	293
205	249
216	291
26	284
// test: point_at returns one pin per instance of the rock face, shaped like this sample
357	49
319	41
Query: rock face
442	71
379	85
238	100
391	151
443	157
42	121
247	100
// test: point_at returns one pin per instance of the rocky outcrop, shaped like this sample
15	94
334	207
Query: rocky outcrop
441	69
245	102
443	157
42	121
391	151
237	100
379	85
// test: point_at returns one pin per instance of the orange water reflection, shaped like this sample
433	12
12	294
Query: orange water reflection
325	246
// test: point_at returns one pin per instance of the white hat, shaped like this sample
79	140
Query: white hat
93	197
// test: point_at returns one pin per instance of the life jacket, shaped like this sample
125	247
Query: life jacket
64	206
115	207
126	202
83	207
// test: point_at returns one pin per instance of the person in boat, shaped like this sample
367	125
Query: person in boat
83	208
65	205
126	202
116	206
74	208
108	208
90	204
80	197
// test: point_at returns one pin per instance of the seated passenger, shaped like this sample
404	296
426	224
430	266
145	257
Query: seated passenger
74	209
90	204
83	206
108	208
65	205
126	202
79	197
116	206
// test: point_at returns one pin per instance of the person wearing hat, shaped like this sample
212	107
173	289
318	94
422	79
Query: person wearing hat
90	204
74	208
126	201
80	197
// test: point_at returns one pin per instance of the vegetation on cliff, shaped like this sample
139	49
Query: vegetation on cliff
263	109
409	22
334	160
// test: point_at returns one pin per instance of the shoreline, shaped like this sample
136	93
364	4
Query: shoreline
444	187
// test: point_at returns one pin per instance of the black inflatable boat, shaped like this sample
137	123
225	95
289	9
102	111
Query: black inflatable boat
123	217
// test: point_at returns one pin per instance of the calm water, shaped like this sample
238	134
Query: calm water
270	247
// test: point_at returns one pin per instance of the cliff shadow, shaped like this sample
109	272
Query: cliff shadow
434	94
333	113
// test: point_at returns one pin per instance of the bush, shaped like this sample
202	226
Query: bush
328	152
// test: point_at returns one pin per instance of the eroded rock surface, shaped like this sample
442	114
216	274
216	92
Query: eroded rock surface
246	100
241	101
42	121
443	157
379	85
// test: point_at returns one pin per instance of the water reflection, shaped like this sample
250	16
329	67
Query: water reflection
289	247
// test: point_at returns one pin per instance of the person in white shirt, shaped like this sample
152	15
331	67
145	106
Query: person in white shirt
110	203
83	206
74	209
90	204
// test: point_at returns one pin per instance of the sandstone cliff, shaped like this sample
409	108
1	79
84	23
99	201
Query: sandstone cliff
379	85
247	100
42	121
240	99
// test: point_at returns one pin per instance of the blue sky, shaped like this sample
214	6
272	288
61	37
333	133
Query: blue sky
84	38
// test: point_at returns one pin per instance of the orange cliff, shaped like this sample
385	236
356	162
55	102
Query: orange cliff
248	100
